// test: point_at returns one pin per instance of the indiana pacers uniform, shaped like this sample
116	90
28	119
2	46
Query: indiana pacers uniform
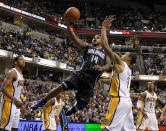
9	113
120	115
51	112
149	107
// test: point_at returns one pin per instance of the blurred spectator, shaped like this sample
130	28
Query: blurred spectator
25	45
126	18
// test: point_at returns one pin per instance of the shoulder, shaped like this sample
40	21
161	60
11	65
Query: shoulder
52	101
12	73
143	94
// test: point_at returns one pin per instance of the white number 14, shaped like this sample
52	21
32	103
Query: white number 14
95	59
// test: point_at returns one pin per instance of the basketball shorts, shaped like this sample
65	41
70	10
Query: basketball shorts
119	116
150	123
49	123
84	85
9	115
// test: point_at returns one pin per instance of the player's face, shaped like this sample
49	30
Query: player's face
150	86
59	96
96	40
126	57
21	62
66	98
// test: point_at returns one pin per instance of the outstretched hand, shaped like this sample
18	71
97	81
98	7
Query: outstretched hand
108	21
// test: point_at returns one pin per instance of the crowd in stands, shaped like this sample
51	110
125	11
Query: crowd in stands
130	19
37	85
126	18
155	64
136	19
23	44
95	111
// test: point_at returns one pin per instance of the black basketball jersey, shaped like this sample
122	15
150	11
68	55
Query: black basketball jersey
93	56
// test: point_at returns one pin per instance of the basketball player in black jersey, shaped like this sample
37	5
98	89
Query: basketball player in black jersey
95	63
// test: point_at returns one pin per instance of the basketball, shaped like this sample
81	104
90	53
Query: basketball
72	14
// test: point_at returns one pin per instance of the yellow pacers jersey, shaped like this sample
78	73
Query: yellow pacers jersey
120	83
16	86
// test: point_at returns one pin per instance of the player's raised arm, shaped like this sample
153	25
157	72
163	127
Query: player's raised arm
78	42
11	76
105	25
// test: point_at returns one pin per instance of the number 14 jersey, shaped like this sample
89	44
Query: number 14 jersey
93	56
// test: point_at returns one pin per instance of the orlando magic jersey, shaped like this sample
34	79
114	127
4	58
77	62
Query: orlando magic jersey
93	56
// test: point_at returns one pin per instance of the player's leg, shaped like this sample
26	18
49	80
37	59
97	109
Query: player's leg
63	120
153	124
53	93
70	83
46	122
128	124
114	117
79	105
140	121
52	125
144	123
16	120
117	116
7	115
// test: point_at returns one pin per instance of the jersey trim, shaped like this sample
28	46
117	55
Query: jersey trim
112	110
115	84
119	85
9	115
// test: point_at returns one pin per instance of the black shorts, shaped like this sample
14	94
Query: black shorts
81	82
